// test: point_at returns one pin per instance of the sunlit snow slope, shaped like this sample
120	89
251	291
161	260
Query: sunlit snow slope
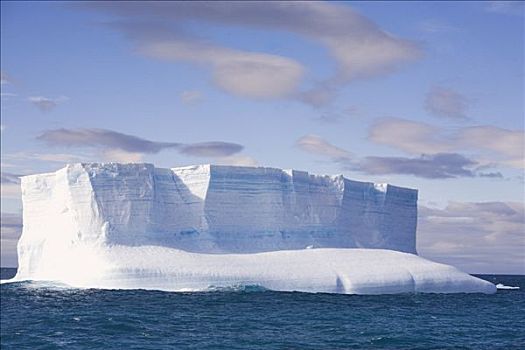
137	226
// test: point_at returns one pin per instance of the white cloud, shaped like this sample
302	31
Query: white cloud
317	145
374	54
488	144
409	136
119	147
440	165
359	47
507	146
479	237
248	74
46	104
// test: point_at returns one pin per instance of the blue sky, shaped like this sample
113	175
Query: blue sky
426	95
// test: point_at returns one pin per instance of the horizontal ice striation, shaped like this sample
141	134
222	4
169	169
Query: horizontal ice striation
137	226
221	209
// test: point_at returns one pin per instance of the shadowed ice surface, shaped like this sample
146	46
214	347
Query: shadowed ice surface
39	316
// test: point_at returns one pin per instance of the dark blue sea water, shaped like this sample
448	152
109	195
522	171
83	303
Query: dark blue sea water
38	317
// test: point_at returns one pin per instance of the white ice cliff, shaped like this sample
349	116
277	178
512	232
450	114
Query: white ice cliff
192	228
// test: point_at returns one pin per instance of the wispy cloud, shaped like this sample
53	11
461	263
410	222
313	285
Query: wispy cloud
507	146
103	138
433	25
492	175
321	95
484	142
211	149
249	74
9	178
475	236
433	166
514	8
44	157
430	166
10	185
360	48
317	145
49	161
46	104
410	136
444	102
11	221
123	147
190	97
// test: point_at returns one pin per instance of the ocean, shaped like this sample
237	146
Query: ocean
39	316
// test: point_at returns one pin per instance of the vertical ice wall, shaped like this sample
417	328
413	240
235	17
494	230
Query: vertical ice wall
60	214
379	216
207	208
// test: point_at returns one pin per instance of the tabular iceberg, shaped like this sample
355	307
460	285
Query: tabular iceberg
191	228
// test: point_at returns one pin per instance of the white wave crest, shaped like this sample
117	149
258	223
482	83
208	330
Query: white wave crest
504	287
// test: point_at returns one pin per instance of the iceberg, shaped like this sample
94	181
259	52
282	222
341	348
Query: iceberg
110	225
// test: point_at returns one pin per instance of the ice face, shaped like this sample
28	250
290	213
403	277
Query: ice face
220	209
103	219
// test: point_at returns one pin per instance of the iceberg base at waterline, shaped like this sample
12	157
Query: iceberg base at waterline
325	270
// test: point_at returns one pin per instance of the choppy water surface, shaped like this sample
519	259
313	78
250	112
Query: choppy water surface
36	316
